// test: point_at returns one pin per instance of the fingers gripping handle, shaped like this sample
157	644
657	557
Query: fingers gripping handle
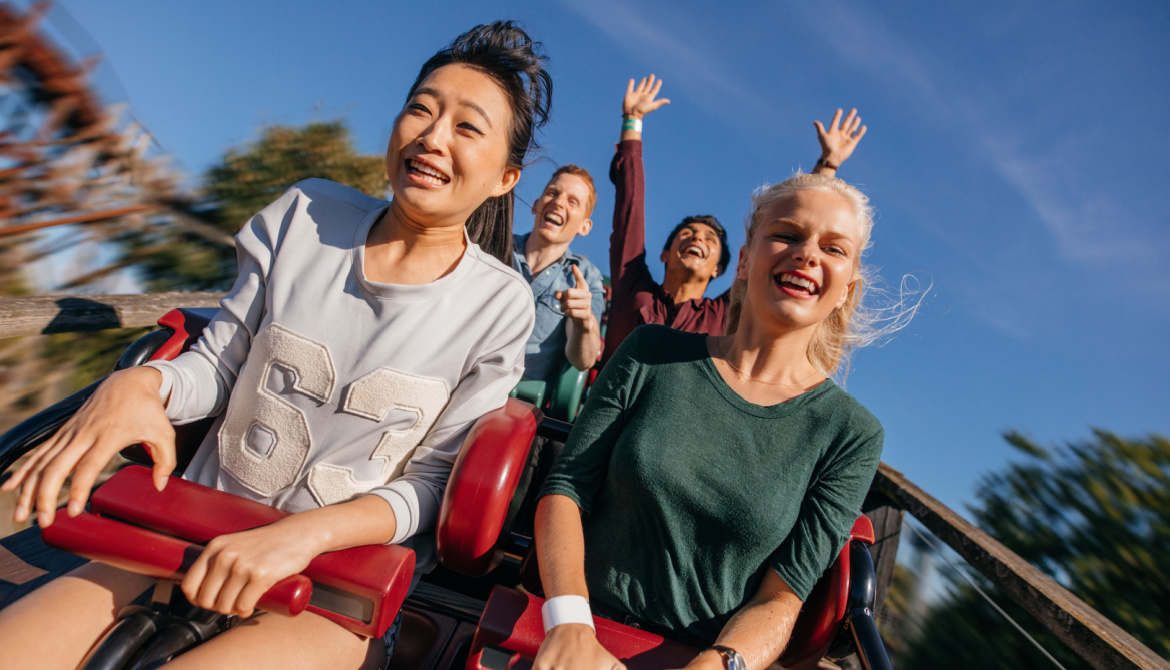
155	555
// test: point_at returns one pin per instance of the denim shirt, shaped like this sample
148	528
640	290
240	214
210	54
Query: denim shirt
544	355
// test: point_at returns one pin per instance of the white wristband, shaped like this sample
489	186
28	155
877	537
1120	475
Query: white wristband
566	609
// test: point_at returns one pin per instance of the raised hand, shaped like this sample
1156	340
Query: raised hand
639	100
577	302
124	410
839	141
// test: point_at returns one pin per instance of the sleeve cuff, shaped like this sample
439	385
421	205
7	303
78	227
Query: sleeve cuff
567	490
404	522
168	382
801	586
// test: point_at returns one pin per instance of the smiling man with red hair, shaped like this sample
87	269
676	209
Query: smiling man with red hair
567	287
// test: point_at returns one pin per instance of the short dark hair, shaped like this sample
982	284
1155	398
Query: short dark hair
504	52
713	223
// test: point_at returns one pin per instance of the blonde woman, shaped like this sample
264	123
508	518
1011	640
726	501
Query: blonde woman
710	480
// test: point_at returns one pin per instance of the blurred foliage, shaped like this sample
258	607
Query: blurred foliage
13	282
1095	516
895	617
88	357
246	180
37	371
963	631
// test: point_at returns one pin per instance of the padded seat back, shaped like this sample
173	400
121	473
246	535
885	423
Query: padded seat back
185	325
478	497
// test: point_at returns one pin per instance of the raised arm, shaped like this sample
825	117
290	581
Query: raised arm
838	142
629	274
627	244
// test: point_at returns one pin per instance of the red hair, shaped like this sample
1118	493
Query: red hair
578	171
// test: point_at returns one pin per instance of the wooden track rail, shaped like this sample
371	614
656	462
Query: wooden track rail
42	315
1093	637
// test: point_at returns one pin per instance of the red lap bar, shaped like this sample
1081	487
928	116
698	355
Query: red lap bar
155	555
361	589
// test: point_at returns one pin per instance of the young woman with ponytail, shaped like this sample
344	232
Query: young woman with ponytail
359	343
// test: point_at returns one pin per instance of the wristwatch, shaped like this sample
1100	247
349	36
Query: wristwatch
822	162
731	658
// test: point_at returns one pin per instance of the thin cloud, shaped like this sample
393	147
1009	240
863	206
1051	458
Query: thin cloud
701	75
1040	177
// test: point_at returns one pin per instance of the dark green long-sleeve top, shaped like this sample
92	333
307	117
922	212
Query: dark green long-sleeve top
690	492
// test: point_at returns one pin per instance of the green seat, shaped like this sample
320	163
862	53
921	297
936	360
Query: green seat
566	395
530	391
564	398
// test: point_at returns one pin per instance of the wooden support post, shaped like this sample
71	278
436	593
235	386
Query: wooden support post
886	517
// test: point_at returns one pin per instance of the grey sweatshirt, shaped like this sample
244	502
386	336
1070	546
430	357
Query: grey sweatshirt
334	385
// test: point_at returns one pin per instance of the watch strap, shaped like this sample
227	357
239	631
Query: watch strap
732	660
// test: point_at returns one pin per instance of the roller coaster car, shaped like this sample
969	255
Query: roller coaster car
483	556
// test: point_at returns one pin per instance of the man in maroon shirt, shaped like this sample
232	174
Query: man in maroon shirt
696	251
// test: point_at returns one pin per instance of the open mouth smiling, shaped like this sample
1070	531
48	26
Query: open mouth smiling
694	251
554	219
426	173
796	284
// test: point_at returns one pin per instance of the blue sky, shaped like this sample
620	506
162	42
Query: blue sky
1016	155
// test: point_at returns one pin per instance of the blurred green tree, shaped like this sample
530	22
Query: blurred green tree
246	179
39	371
1095	516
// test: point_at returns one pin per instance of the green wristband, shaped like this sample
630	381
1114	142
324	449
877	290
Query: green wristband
632	124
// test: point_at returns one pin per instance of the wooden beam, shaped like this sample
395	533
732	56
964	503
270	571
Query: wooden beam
1094	638
89	217
42	315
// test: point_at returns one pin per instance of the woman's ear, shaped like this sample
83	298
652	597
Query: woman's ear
848	292
741	265
508	181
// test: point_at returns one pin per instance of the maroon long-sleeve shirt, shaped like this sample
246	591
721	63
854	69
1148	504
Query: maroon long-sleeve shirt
636	298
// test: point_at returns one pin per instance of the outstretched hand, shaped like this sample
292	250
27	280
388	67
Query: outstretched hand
639	100
839	141
124	410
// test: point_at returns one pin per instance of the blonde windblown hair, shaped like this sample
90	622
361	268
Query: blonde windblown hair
851	325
